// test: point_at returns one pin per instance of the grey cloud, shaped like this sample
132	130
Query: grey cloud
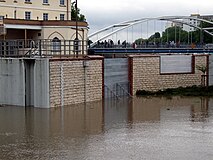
101	17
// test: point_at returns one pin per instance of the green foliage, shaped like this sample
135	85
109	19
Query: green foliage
177	34
139	41
169	35
153	38
80	17
201	68
180	91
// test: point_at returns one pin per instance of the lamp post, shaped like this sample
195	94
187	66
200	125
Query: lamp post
76	27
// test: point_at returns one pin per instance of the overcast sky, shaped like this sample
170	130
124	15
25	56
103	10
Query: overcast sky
102	13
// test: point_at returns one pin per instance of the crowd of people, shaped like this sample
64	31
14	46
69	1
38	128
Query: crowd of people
124	44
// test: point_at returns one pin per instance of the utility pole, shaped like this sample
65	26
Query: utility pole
76	27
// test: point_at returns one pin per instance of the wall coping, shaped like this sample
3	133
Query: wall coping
44	23
158	55
77	59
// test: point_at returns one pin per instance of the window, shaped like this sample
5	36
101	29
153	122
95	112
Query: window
45	16
56	45
27	0
61	2
27	15
76	45
61	17
45	1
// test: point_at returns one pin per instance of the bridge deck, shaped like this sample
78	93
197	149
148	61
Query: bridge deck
147	50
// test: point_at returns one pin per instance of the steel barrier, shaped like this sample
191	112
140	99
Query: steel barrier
53	48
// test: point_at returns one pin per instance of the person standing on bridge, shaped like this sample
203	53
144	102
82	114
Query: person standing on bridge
105	44
119	42
124	44
134	45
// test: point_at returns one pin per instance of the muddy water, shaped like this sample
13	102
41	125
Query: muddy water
141	128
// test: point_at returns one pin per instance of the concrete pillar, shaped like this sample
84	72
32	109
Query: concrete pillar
41	83
24	82
12	82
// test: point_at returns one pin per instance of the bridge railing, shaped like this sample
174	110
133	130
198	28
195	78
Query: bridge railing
103	45
52	48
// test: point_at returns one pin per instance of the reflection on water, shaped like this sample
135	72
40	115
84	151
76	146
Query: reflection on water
138	128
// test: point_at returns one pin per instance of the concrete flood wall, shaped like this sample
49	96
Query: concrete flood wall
45	83
41	83
24	82
146	72
12	84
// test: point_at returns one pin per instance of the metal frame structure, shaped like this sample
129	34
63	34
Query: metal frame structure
42	48
124	25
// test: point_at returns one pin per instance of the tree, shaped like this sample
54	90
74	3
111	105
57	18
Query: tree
181	35
178	35
155	37
139	41
80	17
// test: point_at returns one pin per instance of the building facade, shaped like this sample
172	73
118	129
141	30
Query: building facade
36	9
193	23
39	20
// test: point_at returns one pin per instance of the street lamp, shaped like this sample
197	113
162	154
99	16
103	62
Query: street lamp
76	28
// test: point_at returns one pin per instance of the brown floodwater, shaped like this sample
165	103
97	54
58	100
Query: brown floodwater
151	128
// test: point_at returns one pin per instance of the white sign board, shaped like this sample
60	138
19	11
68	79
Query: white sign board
171	64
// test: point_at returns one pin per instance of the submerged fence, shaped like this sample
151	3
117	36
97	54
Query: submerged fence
54	48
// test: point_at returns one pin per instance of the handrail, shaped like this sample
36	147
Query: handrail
114	94
48	47
33	48
124	90
30	52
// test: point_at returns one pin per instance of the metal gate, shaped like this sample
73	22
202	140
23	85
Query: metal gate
116	77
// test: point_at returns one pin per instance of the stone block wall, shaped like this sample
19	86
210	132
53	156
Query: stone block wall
144	73
75	81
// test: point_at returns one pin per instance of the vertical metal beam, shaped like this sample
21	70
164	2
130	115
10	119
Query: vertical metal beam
130	75
76	25
207	70
154	32
175	34
25	37
83	43
179	36
167	34
68	9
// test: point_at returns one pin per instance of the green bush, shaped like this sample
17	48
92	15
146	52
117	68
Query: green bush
181	91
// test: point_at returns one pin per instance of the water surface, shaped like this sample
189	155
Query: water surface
141	128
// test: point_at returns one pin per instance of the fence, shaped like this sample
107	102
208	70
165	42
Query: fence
53	48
